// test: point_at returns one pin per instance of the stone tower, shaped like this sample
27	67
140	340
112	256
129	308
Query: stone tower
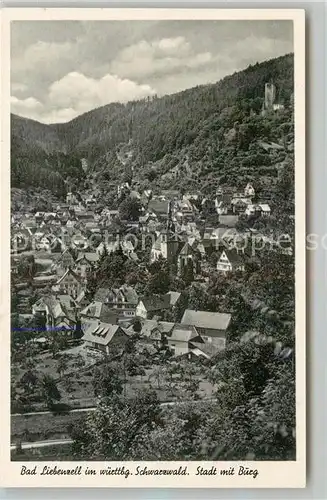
270	95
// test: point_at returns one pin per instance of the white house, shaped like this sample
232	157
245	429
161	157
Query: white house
221	207
262	209
249	190
104	337
230	260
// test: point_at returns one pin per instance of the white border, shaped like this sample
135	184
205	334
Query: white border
271	474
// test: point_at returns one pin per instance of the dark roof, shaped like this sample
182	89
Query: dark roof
70	271
187	249
101	311
156	302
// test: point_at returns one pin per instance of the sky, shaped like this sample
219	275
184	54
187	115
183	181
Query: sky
61	69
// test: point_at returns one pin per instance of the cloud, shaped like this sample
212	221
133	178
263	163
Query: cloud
29	107
18	87
81	93
75	94
42	56
259	48
162	56
62	69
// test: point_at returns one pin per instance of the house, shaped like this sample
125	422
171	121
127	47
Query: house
180	337
184	210
148	307
92	227
109	247
211	326
252	210
260	209
86	262
104	337
265	209
240	204
173	298
90	202
159	207
124	298
56	312
156	332
21	240
249	191
171	194
80	242
186	256
99	311
82	300
165	246
205	350
123	188
65	261
70	283
71	198
230	261
44	243
221	207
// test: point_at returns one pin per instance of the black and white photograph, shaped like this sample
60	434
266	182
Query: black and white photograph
152	245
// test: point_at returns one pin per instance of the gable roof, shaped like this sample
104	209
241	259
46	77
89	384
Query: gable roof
100	311
173	297
183	333
72	273
232	256
148	326
61	306
187	249
91	257
204	319
101	333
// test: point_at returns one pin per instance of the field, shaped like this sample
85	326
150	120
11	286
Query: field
48	453
48	426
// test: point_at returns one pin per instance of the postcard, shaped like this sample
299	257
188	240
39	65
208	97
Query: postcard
153	248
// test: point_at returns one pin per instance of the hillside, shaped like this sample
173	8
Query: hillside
209	134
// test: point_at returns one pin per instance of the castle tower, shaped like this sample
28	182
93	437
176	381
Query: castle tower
270	95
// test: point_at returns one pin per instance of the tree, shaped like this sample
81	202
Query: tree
187	274
49	390
130	209
62	364
160	279
27	267
106	381
115	427
29	380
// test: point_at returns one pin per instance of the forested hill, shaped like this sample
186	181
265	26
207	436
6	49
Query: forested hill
203	132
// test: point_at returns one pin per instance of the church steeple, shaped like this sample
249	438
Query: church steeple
170	227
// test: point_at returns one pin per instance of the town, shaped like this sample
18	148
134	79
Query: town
159	297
